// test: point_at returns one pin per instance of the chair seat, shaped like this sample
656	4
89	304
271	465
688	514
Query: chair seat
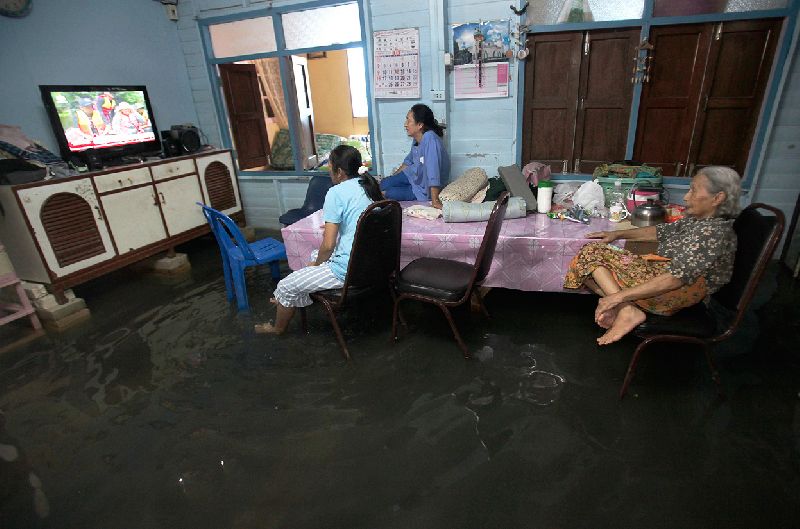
264	251
354	292
293	215
695	321
442	279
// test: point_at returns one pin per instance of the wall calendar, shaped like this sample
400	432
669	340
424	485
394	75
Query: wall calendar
396	64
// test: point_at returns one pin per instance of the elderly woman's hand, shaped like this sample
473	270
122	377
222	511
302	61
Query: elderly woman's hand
606	236
607	304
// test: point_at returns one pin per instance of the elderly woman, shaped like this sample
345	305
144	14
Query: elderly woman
694	259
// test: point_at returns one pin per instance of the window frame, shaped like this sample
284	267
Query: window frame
766	113
283	54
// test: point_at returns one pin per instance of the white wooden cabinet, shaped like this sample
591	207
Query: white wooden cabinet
64	232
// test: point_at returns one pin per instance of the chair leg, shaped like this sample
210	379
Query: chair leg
632	367
275	270
395	313
226	274
339	335
714	373
477	300
399	312
239	286
456	334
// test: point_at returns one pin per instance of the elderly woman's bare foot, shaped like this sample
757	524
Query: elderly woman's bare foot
606	319
628	318
266	328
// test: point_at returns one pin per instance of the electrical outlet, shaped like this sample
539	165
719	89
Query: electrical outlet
437	95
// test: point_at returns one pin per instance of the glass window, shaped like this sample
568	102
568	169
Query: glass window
358	87
322	27
672	8
562	11
244	37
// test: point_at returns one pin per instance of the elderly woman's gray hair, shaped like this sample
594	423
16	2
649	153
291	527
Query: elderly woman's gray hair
728	181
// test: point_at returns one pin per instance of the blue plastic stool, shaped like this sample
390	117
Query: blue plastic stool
238	254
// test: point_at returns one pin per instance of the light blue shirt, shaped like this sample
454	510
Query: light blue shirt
344	204
427	165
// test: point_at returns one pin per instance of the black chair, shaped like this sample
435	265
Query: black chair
315	198
374	262
447	283
758	235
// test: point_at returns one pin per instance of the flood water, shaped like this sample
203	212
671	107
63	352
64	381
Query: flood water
166	410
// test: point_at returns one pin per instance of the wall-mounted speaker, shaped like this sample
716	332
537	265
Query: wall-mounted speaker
187	138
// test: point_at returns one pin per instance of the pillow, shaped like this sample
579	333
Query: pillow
465	186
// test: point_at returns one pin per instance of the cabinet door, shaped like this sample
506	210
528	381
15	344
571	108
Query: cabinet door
739	62
551	96
669	100
604	109
68	225
218	178
178	199
134	218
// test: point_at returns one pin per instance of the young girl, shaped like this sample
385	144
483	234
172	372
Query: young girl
344	203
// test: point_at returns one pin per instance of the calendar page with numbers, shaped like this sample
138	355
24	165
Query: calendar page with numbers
396	64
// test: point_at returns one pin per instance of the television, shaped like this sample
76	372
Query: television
98	122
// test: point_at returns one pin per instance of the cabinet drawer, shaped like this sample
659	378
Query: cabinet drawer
121	180
168	170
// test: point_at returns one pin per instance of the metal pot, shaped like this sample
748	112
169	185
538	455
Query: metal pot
648	214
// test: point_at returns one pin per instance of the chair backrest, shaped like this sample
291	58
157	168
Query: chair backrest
757	235
376	246
315	194
486	252
227	232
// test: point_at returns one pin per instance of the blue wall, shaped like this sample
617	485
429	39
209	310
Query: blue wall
91	42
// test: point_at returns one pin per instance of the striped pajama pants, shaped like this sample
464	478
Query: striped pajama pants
294	289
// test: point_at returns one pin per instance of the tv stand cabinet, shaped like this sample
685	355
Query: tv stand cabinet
63	232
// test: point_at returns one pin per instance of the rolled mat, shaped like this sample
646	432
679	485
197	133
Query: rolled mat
455	211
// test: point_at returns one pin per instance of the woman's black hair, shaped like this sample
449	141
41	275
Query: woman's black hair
423	114
348	159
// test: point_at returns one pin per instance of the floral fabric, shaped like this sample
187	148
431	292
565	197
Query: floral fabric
630	270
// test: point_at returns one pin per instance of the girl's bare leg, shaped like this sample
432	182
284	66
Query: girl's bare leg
282	319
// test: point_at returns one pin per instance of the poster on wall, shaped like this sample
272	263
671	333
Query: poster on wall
396	64
481	51
472	81
481	42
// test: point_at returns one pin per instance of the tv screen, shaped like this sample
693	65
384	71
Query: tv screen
113	121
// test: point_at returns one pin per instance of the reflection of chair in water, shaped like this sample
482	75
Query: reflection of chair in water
446	283
315	197
374	261
757	237
238	254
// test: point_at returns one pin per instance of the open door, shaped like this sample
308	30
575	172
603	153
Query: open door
305	110
246	114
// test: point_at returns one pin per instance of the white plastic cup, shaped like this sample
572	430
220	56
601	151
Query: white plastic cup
544	199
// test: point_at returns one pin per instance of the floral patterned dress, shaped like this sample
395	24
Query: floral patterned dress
699	252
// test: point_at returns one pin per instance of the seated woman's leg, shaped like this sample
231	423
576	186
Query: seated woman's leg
606	270
397	187
293	291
